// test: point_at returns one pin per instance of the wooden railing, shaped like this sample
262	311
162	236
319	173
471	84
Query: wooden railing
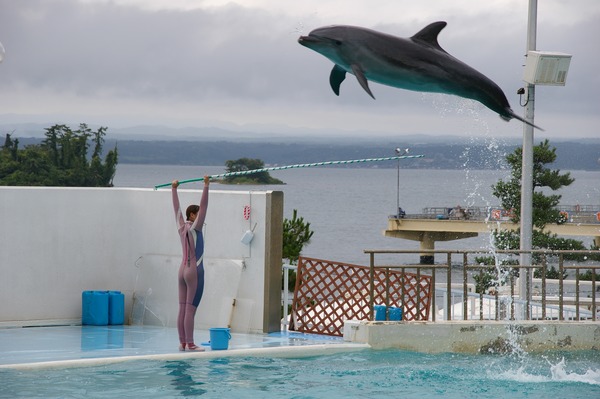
327	293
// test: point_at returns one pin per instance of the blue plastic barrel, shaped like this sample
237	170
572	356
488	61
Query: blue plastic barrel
94	308
379	312
219	338
116	307
395	313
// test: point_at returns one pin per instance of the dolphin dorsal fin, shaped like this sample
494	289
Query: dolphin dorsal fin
429	34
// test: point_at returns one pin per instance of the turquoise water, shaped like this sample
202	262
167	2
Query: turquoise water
364	374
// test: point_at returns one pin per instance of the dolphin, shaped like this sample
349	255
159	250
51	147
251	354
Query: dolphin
417	63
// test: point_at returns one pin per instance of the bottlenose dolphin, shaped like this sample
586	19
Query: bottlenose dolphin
417	63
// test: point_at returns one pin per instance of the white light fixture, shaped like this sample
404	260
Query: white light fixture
546	68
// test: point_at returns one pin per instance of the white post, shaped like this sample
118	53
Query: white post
527	165
398	191
286	281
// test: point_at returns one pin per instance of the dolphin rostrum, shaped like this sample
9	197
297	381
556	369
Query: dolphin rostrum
417	63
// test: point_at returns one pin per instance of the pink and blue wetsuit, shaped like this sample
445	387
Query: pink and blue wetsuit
191	270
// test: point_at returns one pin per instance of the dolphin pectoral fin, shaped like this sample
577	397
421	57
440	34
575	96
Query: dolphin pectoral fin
515	116
336	77
362	79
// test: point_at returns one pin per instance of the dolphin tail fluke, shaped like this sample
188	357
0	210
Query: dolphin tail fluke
511	115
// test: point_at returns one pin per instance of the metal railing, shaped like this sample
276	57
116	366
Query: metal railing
502	302
286	298
492	307
573	213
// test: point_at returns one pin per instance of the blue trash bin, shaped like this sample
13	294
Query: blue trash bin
94	308
116	308
395	313
379	312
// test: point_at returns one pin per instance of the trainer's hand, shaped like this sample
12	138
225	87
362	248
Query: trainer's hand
175	183
206	180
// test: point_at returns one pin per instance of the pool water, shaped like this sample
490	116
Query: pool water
361	374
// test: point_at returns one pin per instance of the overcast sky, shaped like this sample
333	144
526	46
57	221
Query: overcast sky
238	63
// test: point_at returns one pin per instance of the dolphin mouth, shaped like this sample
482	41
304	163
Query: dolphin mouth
307	40
303	39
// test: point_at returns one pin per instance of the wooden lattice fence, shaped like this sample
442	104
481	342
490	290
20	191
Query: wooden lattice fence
328	293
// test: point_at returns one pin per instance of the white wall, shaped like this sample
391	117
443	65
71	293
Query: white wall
57	242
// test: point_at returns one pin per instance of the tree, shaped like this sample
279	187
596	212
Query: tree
545	209
245	164
296	234
544	206
60	160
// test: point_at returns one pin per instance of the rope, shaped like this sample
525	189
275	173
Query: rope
302	165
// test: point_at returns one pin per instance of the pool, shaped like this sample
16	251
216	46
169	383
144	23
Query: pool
359	374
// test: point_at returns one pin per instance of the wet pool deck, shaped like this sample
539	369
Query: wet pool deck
64	346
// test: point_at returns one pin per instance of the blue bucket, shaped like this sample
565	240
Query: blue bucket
219	338
379	312
395	313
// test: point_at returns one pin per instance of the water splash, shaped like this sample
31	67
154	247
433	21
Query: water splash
299	29
551	373
486	151
559	373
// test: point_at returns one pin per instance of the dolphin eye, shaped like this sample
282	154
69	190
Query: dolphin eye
338	42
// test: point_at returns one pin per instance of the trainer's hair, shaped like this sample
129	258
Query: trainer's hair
191	209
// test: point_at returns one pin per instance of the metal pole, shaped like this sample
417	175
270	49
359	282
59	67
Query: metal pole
303	165
399	153
527	164
398	190
372	284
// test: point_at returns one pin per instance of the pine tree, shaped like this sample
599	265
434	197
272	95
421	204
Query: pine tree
545	209
296	234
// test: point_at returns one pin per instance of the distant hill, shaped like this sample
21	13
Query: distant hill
214	146
570	156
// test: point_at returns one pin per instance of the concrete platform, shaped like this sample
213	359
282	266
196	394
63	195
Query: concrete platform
76	346
475	336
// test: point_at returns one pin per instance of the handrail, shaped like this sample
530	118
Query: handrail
287	268
574	213
570	314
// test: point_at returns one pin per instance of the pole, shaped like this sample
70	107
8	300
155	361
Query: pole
399	153
398	190
303	165
527	166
